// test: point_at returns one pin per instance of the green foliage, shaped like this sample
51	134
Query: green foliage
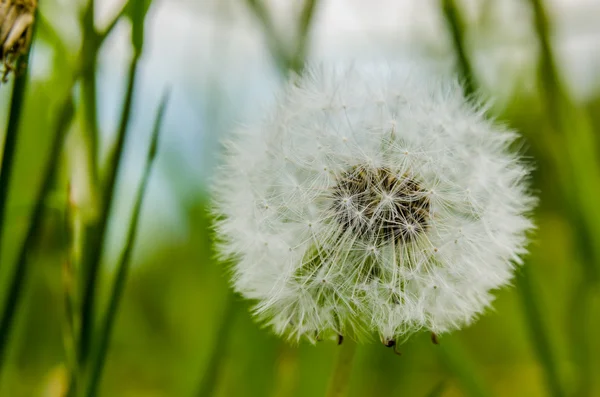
180	331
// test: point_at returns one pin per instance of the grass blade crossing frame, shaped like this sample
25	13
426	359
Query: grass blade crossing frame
125	259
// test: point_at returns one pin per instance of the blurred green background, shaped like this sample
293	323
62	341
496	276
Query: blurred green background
179	330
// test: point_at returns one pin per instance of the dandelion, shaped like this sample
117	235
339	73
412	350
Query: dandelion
16	21
371	200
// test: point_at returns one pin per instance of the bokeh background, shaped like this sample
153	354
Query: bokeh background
179	330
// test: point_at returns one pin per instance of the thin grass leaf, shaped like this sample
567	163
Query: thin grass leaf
276	46
285	59
457	29
87	69
576	155
69	272
89	57
104	33
95	233
10	144
579	165
17	283
296	63
12	131
125	260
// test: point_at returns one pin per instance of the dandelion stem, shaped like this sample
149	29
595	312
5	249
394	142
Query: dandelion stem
216	360
438	389
580	314
457	29
16	287
286	374
537	331
340	377
456	360
125	260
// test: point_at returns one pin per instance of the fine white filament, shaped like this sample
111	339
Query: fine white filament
371	200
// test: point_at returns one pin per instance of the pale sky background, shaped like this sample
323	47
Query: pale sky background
212	54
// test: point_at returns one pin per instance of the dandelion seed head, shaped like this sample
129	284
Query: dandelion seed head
371	200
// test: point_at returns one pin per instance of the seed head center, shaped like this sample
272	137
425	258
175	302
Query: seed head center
380	205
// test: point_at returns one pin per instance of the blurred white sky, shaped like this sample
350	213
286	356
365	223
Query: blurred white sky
213	55
191	37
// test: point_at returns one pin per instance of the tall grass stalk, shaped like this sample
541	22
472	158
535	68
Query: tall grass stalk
92	41
17	283
577	157
125	260
89	57
456	26
287	60
69	272
12	131
540	339
10	143
95	232
577	151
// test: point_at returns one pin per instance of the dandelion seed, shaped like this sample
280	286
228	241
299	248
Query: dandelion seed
390	205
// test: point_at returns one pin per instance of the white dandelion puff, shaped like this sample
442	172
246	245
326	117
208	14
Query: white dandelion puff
371	200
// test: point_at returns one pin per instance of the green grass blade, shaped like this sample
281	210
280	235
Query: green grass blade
457	29
125	260
19	276
296	63
96	232
10	141
580	164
